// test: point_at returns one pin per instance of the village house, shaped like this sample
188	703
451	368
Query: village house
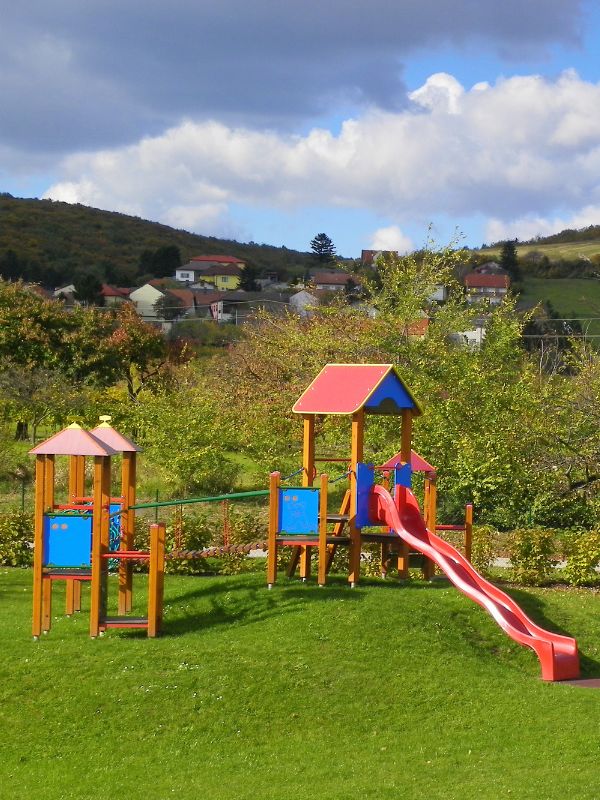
334	281
223	272
487	285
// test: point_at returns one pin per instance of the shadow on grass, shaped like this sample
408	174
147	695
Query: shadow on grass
244	601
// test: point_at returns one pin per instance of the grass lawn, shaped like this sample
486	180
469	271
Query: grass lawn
385	691
571	297
554	250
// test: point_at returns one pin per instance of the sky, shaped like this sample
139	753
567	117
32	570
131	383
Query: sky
380	122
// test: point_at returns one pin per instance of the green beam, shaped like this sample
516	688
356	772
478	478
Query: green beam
215	498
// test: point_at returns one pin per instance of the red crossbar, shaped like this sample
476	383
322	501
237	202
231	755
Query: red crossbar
449	527
139	555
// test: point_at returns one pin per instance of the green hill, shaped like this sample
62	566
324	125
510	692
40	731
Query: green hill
553	250
56	239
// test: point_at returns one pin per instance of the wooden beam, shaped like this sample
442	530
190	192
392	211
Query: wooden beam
468	531
155	577
308	476
273	528
46	604
128	481
431	521
96	588
356	455
38	544
322	570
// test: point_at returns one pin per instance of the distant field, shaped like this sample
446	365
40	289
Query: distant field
554	251
571	297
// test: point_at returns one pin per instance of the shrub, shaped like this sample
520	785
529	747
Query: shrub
532	555
16	537
582	551
484	547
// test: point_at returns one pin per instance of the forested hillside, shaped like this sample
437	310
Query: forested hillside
49	241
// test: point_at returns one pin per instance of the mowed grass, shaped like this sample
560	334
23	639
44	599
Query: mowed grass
384	691
554	250
571	297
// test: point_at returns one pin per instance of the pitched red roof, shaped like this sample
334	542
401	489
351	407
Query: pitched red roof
346	388
185	295
203	298
73	441
417	463
333	278
113	291
108	435
218	259
475	280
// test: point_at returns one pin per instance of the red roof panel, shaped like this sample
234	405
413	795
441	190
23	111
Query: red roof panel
73	441
345	388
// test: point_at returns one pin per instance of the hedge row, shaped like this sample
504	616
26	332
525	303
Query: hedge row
534	553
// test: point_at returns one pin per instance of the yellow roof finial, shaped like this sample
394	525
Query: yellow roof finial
104	421
75	426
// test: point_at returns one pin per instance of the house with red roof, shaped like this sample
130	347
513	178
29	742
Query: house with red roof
483	285
334	281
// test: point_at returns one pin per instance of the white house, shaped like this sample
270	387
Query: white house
144	299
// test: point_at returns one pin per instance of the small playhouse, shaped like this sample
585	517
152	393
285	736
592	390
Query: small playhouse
79	540
299	517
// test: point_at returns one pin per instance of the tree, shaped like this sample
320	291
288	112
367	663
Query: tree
509	259
323	248
37	396
248	280
161	262
169	307
88	289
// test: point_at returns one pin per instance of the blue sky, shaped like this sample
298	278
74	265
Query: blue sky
267	122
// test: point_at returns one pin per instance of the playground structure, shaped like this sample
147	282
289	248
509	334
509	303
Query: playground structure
77	541
299	516
80	540
74	541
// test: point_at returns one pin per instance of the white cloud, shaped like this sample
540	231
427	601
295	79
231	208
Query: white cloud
525	148
441	92
529	227
391	238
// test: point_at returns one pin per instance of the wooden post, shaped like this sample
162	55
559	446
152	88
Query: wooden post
468	531
70	596
76	490
273	528
358	432
322	572
431	521
128	480
38	544
155	577
308	471
101	494
49	500
46	604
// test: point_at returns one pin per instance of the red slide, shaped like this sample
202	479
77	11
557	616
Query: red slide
557	654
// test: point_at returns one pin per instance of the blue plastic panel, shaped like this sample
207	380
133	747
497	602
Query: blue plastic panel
67	540
403	476
299	511
365	477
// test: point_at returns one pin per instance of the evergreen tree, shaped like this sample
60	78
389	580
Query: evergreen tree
248	279
509	259
323	248
88	289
